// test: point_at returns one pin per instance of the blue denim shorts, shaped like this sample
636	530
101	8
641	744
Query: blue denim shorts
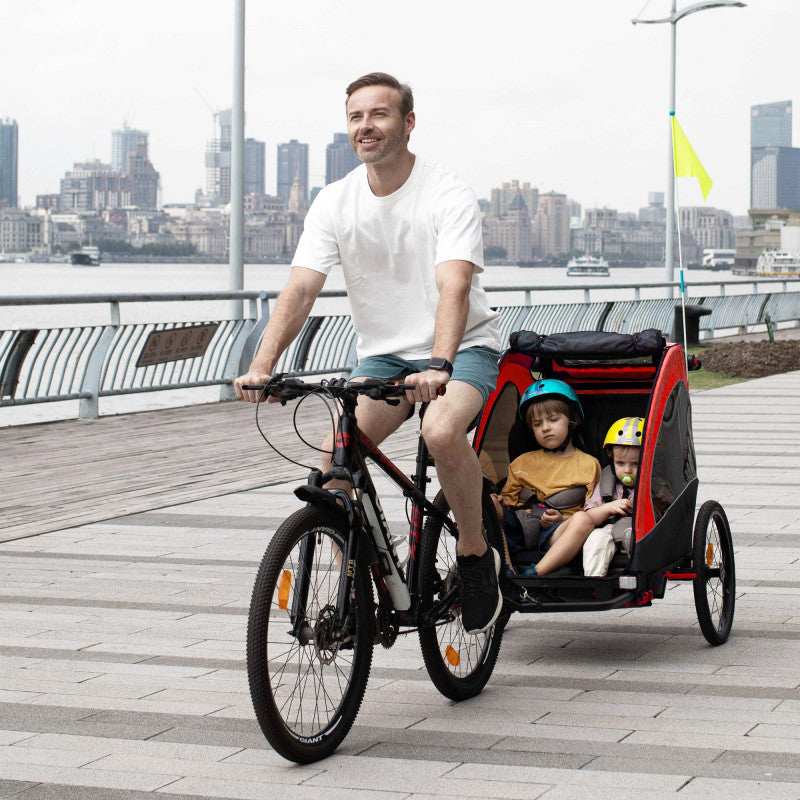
476	366
512	528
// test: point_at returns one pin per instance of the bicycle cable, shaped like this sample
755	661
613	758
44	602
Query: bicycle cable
272	446
295	426
300	435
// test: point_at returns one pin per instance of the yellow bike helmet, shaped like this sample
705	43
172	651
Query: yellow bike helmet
627	431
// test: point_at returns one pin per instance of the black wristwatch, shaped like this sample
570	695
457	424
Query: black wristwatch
442	364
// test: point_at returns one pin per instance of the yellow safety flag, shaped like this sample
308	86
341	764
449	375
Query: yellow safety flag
687	164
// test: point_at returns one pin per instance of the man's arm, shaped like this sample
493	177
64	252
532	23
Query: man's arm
453	280
291	310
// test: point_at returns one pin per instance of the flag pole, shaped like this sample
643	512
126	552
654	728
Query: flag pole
677	211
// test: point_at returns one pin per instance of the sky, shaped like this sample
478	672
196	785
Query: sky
565	94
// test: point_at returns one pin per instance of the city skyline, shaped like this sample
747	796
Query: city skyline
571	97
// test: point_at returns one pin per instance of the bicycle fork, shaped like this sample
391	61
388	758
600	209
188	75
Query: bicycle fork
334	621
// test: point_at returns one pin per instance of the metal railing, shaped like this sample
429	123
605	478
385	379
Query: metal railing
88	362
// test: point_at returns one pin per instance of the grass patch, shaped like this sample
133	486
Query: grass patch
704	379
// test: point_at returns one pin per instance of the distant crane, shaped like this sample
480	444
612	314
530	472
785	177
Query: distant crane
215	112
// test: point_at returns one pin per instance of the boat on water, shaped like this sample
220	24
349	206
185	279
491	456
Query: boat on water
778	263
87	256
715	258
588	267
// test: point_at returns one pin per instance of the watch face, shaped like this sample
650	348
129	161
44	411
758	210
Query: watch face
440	363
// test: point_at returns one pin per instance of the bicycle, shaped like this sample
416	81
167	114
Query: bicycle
314	619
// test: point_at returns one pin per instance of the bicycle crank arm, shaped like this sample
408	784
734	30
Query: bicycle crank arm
435	613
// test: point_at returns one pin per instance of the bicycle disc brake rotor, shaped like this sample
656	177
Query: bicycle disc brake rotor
326	647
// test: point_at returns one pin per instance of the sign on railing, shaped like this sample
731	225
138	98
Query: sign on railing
175	344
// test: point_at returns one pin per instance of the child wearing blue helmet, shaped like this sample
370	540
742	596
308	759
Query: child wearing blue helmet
543	498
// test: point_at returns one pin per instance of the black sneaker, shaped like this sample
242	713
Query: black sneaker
481	600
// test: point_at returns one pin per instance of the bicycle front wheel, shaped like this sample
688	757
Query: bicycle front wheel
459	664
305	683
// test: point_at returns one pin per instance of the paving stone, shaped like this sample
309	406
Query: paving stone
55	791
744	789
482	756
207	787
697	768
15	788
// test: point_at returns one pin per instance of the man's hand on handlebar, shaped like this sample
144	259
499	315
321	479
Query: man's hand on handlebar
428	385
252	378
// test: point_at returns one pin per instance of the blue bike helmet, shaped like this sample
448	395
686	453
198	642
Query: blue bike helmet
551	388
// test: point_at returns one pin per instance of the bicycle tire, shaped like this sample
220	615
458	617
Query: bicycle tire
715	584
459	664
307	715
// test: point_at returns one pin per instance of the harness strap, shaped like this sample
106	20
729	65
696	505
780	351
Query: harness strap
566	498
608	479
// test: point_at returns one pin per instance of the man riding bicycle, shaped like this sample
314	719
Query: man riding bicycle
408	236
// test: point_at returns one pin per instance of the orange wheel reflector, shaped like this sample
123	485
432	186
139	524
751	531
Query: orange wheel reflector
452	656
710	554
284	586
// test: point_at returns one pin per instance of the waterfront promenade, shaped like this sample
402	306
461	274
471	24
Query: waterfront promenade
122	633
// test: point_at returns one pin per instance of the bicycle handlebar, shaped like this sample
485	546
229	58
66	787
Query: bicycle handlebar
286	388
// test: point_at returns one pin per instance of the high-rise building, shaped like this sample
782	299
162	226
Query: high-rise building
296	204
142	176
124	142
703	227
771	124
218	160
292	163
20	231
655	213
775	177
94	186
601	218
551	229
506	195
339	158
9	148
254	166
511	232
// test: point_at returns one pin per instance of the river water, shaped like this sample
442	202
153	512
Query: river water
57	279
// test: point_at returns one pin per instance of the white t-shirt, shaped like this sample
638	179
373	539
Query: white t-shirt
389	248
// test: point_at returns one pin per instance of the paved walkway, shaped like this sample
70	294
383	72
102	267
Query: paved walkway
101	469
122	675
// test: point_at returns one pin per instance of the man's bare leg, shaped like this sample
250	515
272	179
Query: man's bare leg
444	429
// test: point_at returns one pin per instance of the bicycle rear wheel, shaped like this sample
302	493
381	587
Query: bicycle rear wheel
459	664
306	686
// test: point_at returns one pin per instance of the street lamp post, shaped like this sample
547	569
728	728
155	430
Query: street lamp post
236	220
673	19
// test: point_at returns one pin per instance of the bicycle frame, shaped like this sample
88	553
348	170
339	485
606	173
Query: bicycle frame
367	526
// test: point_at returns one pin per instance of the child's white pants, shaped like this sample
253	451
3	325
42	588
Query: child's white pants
598	550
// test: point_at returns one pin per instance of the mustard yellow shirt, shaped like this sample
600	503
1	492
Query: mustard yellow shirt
546	473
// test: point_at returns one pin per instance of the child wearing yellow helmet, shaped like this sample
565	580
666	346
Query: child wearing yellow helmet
612	499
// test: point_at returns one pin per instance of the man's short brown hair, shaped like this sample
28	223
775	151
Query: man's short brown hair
384	79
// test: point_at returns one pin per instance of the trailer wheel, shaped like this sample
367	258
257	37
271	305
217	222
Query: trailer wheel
715	584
